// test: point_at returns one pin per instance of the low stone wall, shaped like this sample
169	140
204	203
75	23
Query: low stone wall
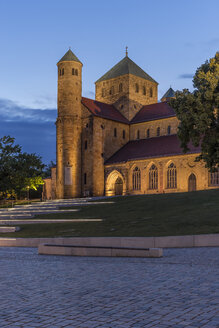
144	242
72	250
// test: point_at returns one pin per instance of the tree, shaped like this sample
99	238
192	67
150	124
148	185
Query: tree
198	113
19	170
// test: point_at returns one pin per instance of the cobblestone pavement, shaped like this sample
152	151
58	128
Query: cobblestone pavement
179	290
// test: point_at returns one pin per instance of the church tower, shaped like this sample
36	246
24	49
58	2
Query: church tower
68	127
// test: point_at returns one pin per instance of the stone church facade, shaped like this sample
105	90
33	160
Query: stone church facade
123	142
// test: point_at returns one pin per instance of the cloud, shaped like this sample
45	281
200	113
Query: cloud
33	129
186	76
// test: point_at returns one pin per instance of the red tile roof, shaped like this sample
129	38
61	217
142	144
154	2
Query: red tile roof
149	148
153	112
103	110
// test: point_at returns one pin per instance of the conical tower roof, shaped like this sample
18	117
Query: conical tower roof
169	94
126	66
69	56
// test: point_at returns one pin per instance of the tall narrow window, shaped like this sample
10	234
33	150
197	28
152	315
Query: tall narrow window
138	134
171	176
136	179
151	92
136	87
115	132
144	90
158	131
148	133
120	87
111	92
153	177
73	71
85	144
85	178
169	130
123	134
214	178
76	72
63	71
60	72
103	92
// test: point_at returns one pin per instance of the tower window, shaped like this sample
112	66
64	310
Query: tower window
120	87
115	132
73	71
60	72
85	178
103	92
148	133
169	129
158	132
123	134
138	134
85	144
151	92
144	91
63	71
111	92
136	88
76	72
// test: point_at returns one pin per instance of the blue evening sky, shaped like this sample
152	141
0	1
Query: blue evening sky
168	39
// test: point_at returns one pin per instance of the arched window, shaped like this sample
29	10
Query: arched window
153	177
120	87
169	129
214	178
136	87
138	134
144	90
148	133
111	92
151	92
123	134
158	131
115	132
63	71
136	179
76	72
73	71
171	176
103	92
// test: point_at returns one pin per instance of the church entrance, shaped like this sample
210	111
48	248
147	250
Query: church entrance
118	186
192	182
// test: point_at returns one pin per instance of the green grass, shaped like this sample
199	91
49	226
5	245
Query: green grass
146	215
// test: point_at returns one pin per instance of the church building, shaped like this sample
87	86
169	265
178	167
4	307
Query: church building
124	142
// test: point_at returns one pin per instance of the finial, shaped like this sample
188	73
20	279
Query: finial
126	51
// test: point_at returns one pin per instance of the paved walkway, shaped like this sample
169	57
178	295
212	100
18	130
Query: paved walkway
179	290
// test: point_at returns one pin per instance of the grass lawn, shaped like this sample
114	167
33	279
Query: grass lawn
145	215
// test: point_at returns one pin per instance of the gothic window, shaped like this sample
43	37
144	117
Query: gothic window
115	132
63	71
148	133
85	178
136	87
85	144
136	179
138	134
144	91
120	87
153	177
171	176
158	131
123	134
169	129
214	178
151	92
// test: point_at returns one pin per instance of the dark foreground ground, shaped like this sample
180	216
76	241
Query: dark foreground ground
179	290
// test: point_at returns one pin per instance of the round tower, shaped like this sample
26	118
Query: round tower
68	127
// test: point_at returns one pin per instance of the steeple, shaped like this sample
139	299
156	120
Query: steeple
69	56
168	95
